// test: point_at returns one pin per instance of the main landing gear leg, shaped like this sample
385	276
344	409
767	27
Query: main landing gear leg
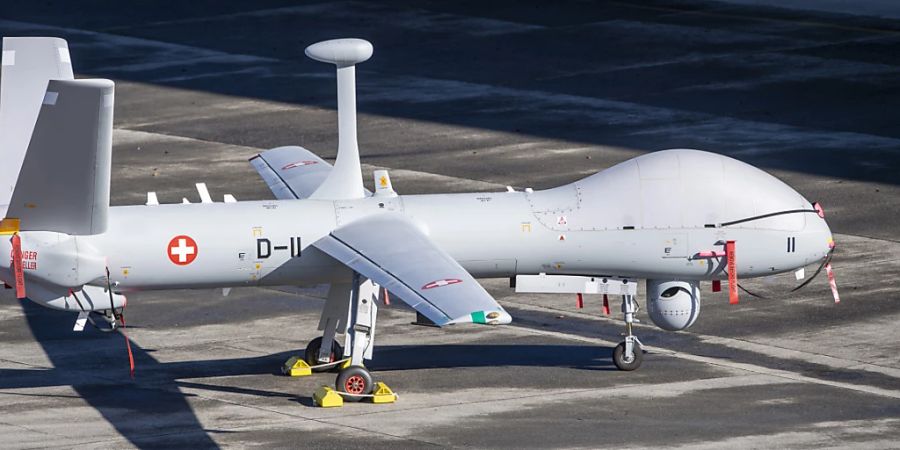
355	381
628	355
326	349
324	353
351	309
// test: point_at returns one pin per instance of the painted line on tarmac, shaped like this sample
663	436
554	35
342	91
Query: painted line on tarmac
128	136
774	351
785	374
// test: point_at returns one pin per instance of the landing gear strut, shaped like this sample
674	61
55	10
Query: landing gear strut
351	310
629	354
356	379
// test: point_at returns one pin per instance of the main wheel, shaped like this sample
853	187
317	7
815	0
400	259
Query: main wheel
356	381
628	364
312	352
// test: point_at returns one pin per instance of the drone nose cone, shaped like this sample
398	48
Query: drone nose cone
341	52
822	224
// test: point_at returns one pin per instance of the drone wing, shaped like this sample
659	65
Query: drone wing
291	172
391	251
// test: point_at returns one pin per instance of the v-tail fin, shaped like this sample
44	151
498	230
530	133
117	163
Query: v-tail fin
64	182
61	180
29	63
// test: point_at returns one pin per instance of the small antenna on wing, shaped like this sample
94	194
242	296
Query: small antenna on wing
383	186
204	193
345	179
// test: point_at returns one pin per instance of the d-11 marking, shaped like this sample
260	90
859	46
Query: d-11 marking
264	248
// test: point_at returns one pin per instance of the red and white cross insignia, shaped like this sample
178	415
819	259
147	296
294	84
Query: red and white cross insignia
182	250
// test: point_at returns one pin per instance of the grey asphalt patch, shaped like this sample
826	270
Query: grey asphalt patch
468	97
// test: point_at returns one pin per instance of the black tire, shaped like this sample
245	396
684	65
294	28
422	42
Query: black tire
619	357
354	380
312	351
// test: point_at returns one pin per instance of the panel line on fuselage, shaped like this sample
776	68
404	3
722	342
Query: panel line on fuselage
766	216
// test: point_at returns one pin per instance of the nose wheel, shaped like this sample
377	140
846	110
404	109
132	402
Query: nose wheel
628	355
626	362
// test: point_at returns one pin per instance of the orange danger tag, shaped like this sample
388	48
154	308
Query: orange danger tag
732	273
832	283
18	271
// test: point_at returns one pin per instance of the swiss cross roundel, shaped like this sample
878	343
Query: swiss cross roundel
182	250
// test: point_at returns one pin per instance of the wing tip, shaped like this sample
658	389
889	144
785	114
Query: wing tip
496	317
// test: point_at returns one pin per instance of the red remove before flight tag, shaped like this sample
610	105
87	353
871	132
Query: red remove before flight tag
17	266
732	273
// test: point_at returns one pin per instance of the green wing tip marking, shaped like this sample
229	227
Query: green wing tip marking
478	317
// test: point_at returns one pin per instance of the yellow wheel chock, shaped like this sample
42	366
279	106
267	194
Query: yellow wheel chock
296	367
326	397
383	394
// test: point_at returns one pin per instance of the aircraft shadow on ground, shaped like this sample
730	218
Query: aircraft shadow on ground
440	356
95	365
134	408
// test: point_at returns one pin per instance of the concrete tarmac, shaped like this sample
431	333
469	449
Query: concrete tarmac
474	97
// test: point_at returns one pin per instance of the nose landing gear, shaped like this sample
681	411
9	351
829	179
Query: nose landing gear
629	354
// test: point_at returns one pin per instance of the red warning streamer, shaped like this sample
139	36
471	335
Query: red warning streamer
17	266
580	301
732	273
832	283
386	298
128	347
605	305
